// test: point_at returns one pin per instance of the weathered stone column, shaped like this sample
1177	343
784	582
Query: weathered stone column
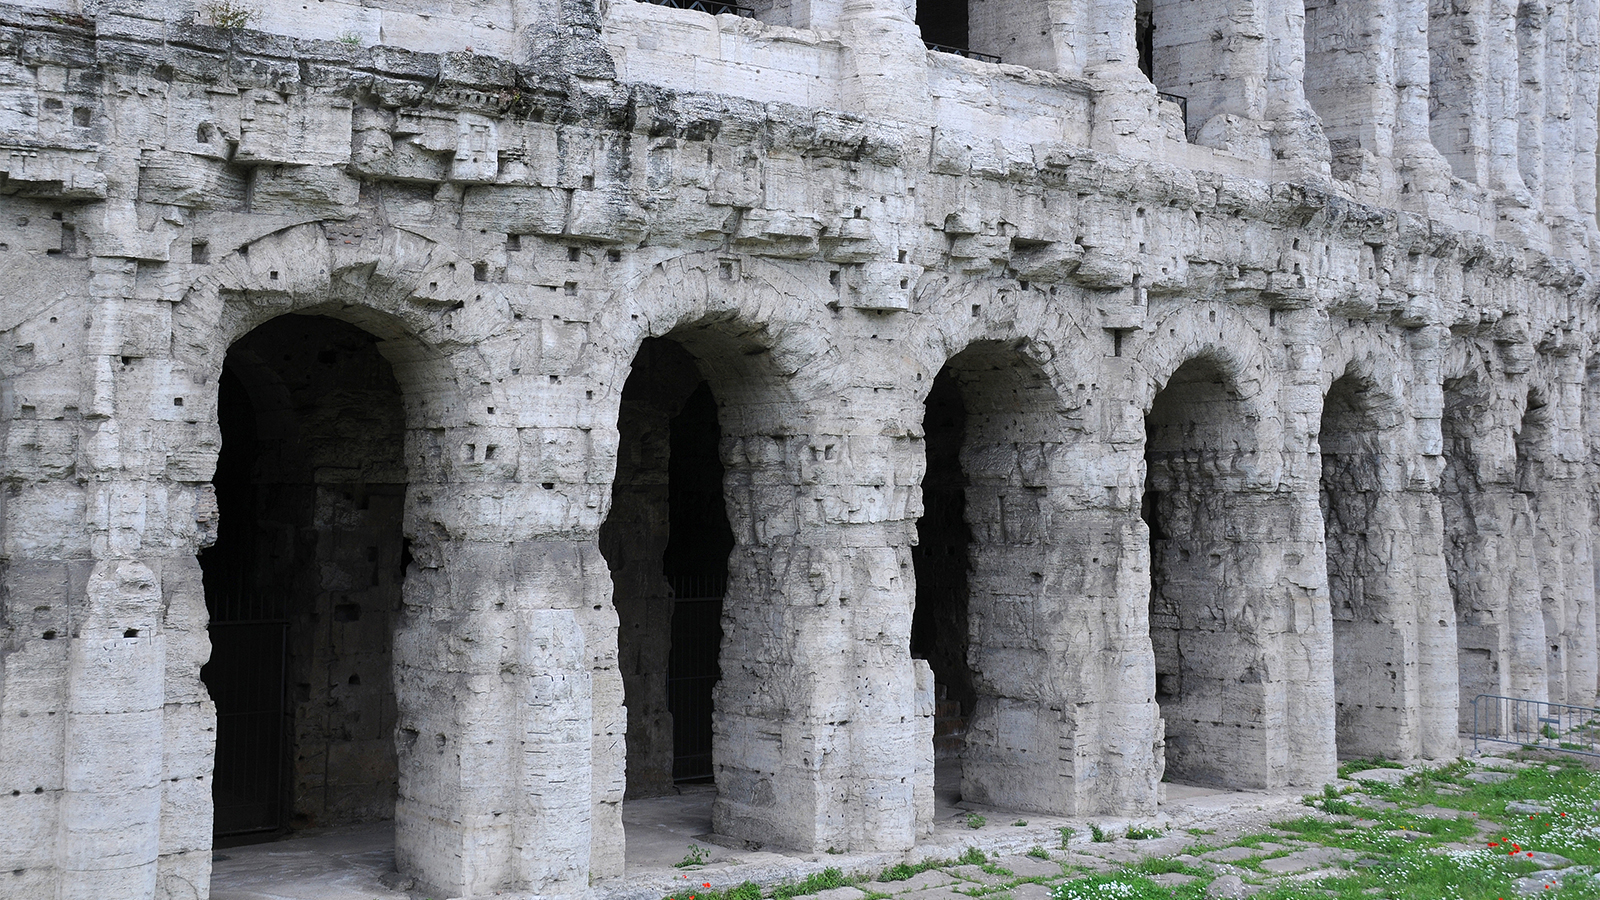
1063	720
1295	137
1218	60
1097	599
885	64
1351	63
817	737
1532	73
491	666
1438	674
1459	48
1292	610
1552	475
1582	49
561	38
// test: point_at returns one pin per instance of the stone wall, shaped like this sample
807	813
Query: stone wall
1275	442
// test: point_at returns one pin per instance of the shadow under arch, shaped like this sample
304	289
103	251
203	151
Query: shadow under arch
1240	648
997	621
476	574
1393	640
303	582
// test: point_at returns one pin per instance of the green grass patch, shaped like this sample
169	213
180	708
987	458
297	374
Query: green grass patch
1164	865
907	871
1350	766
746	891
1126	886
825	880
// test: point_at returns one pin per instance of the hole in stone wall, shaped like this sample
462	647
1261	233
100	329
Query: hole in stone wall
943	22
310	487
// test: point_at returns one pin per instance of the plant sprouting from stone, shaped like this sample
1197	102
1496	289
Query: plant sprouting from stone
696	856
229	14
975	821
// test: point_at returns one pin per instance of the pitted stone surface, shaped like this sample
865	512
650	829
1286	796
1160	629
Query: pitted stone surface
1091	426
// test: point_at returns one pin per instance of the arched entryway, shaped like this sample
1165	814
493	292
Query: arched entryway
303	583
667	541
1217	610
1489	553
994	616
1376	653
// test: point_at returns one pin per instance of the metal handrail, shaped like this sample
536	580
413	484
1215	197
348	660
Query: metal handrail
714	7
1535	723
1182	102
962	51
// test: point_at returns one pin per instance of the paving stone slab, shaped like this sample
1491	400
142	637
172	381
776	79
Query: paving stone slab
921	881
1440	812
1231	854
848	892
1029	866
978	875
1526	808
1309	858
1031	891
1229	887
1380	776
935	893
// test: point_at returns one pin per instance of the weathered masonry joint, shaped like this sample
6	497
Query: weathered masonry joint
482	419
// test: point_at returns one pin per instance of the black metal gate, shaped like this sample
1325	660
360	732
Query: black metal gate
692	673
246	679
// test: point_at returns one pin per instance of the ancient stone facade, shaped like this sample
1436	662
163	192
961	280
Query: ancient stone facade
544	401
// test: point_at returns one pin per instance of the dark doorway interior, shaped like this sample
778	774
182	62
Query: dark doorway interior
942	561
943	22
667	541
303	582
696	566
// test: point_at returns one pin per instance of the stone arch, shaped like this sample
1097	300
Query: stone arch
1489	531
1040	583
997	439
1226	336
1240	645
465	470
1393	635
304	580
1550	476
787	612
